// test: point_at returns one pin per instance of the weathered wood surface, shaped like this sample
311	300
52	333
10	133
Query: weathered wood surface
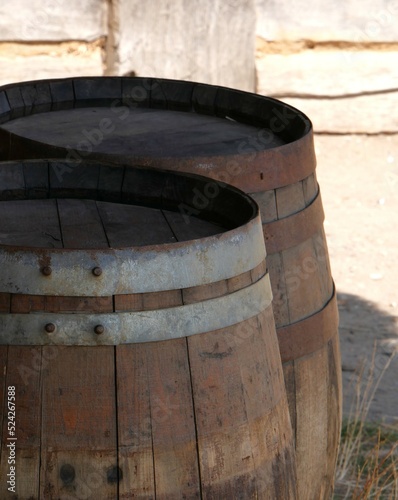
259	145
78	439
204	417
22	368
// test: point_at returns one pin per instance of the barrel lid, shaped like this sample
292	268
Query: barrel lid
201	231
251	141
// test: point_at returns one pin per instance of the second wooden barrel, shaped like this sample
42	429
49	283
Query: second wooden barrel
138	349
258	144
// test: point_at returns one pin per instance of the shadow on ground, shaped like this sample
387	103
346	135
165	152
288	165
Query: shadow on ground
369	339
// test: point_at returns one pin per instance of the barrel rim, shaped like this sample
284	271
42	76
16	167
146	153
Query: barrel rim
125	270
269	168
155	80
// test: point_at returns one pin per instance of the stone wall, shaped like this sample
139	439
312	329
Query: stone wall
210	41
51	38
203	40
337	62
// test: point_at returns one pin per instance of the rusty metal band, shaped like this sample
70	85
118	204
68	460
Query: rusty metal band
133	270
251	172
290	231
142	326
307	336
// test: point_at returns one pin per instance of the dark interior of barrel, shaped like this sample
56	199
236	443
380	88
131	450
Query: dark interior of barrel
95	205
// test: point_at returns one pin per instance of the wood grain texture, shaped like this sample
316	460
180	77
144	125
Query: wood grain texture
135	448
266	201
312	419
323	269
310	188
226	456
21	303
290	384
36	179
148	301
134	226
81	224
185	227
142	128
241	412
302	281
5	302
290	199
12	181
296	340
79	436
276	473
279	280
290	231
205	292
335	408
259	271
172	420
24	367
30	223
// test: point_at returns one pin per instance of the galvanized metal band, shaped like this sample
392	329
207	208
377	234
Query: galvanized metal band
293	230
133	270
310	334
133	327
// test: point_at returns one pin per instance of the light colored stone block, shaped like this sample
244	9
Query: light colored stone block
327	72
351	20
208	41
369	114
52	20
23	68
340	91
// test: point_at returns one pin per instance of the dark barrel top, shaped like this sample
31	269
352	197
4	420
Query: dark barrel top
248	140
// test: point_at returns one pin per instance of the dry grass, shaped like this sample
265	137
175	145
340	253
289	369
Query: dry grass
367	466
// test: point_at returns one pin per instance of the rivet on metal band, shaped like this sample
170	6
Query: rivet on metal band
97	271
46	270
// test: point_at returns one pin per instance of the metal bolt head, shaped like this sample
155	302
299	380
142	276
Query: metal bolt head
67	473
99	329
50	328
46	270
97	271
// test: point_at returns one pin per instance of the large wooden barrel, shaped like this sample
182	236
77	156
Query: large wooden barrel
258	144
138	347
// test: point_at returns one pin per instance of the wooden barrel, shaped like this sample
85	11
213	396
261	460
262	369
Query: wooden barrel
138	344
259	145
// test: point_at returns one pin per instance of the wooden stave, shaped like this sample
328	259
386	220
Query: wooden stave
308	336
53	461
